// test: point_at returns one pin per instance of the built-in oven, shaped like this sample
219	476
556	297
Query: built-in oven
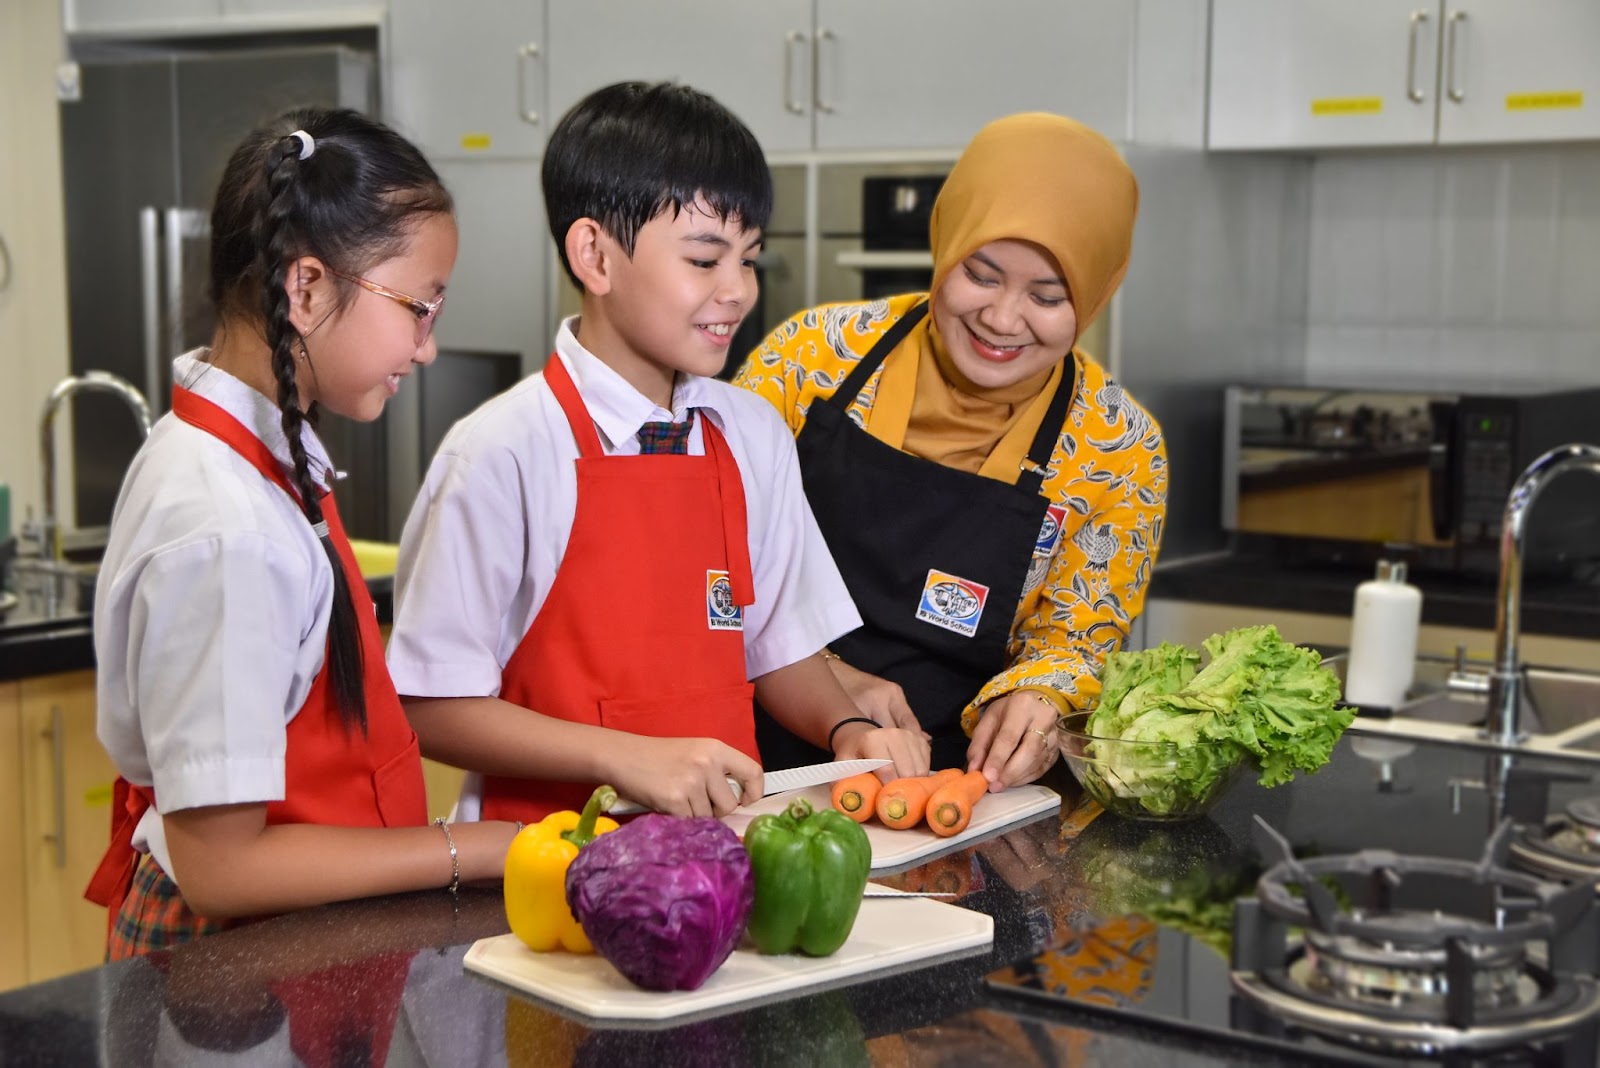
1358	473
872	225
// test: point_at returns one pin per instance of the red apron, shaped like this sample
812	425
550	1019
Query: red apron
643	628
333	775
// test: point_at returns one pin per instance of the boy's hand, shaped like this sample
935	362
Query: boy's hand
878	699
682	776
908	749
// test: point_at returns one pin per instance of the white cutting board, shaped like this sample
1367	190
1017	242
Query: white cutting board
894	849
889	932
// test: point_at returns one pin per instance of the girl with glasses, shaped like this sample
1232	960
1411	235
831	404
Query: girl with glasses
265	762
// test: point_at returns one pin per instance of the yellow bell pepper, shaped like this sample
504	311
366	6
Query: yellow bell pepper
536	875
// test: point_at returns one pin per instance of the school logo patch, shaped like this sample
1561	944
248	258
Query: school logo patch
1055	517
721	612
952	602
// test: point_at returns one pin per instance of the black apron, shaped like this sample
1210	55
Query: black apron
935	558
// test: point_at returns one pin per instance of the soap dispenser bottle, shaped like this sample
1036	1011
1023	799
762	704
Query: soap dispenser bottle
1383	638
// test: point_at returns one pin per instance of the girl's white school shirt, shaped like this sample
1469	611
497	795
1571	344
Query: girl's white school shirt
211	611
485	538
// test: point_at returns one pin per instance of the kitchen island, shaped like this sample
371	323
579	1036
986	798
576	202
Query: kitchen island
1109	950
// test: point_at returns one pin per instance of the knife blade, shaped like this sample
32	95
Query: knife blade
777	782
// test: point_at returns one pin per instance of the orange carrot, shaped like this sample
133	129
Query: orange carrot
950	807
856	795
900	803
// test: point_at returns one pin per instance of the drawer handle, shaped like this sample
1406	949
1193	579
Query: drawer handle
58	759
1418	18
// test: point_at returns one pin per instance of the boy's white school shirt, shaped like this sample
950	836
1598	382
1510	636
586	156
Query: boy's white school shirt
485	538
211	611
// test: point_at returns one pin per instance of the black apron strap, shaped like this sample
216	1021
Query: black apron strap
1044	442
846	393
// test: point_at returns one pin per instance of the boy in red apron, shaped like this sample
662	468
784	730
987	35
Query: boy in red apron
265	763
609	561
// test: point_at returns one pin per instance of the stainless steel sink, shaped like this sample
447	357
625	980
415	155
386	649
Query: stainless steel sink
1560	709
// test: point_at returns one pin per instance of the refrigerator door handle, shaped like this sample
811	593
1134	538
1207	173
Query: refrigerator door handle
150	302
180	224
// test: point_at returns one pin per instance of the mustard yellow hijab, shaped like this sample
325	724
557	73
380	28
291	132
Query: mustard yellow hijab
1032	177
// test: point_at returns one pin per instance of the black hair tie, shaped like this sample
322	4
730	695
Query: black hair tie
842	722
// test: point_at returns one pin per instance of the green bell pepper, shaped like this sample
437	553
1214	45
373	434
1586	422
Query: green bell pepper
810	869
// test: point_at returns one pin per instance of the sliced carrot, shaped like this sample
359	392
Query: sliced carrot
950	807
856	796
901	802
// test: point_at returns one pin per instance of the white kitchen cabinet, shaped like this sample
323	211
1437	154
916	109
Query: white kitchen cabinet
140	16
908	74
847	75
497	292
300	14
1323	73
1333	73
1520	71
755	58
466	77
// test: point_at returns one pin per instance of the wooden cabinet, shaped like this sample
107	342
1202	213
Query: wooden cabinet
13	884
466	77
55	797
1330	73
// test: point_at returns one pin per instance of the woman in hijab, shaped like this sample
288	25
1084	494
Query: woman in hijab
994	500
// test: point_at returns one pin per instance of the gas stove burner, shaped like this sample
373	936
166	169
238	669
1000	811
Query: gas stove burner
1564	848
1370	971
1398	976
1585	812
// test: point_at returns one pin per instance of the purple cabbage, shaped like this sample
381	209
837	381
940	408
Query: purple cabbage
664	899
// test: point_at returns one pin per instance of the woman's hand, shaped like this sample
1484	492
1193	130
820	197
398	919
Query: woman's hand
908	749
880	700
1015	740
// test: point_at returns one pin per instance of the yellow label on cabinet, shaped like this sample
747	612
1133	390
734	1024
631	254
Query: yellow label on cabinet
1347	105
475	142
1544	101
97	795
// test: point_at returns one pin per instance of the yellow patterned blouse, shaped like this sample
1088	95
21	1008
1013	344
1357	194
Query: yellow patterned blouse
1108	473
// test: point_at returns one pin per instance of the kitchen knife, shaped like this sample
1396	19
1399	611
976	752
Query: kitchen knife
777	782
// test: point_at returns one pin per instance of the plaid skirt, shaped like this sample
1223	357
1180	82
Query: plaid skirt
153	916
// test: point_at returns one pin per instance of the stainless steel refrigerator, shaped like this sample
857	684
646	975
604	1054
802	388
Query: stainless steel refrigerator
142	152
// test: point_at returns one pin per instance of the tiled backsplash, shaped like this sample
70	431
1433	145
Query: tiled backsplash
1456	266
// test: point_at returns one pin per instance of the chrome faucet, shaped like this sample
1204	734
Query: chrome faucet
48	532
1505	678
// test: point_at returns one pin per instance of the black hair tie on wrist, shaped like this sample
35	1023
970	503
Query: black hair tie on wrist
842	722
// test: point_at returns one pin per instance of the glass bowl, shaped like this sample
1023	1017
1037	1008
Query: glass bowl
1160	781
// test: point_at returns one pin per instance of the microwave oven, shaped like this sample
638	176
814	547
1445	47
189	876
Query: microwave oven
1351	474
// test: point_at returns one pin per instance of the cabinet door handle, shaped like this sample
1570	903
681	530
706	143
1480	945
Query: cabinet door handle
823	34
1453	91
1418	18
791	103
58	760
150	299
5	266
526	55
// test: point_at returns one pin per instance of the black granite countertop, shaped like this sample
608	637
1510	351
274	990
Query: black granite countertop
32	644
1076	977
1562	608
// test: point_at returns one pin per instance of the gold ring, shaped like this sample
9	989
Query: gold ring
1042	735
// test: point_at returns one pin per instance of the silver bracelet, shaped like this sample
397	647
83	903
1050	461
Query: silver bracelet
455	857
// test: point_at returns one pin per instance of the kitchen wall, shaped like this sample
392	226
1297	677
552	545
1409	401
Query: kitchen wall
1215	293
1441	267
33	293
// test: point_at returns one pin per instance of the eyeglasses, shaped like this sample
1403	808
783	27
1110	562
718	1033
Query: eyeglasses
425	311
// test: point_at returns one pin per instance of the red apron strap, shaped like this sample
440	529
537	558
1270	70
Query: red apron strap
114	877
215	420
561	384
734	525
